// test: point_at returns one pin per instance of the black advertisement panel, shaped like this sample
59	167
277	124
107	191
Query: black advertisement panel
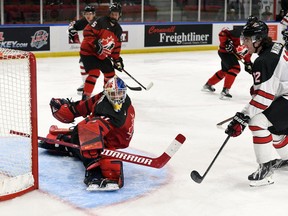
25	38
177	35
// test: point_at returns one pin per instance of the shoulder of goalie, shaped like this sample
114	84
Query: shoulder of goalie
63	110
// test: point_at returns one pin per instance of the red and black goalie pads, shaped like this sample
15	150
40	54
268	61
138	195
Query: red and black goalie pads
113	170
91	136
63	110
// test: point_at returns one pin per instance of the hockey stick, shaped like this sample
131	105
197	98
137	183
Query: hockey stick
134	88
146	88
196	176
158	162
223	122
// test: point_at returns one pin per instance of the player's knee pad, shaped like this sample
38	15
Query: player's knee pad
113	170
91	135
63	110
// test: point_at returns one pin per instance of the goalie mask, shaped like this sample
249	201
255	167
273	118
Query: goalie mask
115	91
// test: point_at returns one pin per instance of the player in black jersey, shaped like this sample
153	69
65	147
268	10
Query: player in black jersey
266	113
73	29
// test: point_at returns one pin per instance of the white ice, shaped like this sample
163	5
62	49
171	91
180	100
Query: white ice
175	104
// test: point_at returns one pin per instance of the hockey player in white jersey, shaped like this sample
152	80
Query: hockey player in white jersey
267	111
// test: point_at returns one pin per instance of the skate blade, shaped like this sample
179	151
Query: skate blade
266	181
207	90
109	187
222	97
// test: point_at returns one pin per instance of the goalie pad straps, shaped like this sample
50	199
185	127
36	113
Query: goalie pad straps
112	170
91	135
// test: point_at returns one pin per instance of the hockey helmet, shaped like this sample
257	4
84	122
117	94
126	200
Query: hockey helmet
89	8
251	19
256	30
115	91
115	7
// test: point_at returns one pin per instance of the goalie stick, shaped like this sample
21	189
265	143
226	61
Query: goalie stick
158	162
196	176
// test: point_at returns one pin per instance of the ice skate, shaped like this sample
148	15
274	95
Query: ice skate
95	182
262	176
225	94
80	89
102	185
208	88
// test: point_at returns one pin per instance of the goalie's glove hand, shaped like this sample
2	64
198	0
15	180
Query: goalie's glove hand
118	64
63	110
248	67
229	46
237	125
100	49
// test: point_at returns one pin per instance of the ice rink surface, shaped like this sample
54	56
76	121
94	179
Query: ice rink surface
175	104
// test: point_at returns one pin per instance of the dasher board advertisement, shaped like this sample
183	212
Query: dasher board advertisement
178	35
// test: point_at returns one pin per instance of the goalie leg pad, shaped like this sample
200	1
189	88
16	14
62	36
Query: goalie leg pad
91	135
56	148
112	170
55	130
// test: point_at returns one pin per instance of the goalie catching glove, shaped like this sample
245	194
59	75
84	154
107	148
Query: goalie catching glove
63	110
237	125
118	64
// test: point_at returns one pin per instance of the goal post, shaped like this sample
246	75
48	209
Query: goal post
18	111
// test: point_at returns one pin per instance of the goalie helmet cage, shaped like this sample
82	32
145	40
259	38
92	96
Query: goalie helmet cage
18	110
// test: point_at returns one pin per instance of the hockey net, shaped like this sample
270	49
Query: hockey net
18	111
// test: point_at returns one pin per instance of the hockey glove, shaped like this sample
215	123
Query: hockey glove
63	110
100	49
72	31
229	47
248	67
73	35
237	125
242	51
118	64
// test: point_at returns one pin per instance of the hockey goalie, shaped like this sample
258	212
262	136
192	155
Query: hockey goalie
108	124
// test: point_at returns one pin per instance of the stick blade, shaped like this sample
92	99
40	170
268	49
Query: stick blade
134	88
149	86
196	177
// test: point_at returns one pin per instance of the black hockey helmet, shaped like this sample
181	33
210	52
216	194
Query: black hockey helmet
251	19
89	8
115	7
257	29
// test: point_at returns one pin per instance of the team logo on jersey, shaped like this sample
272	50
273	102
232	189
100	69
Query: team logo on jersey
108	43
